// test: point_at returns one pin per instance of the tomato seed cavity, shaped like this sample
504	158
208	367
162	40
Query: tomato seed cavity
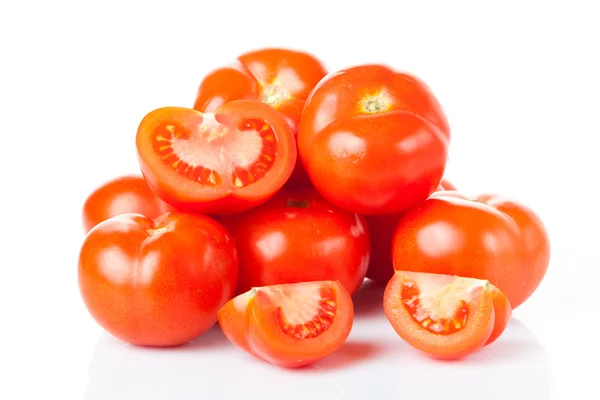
324	314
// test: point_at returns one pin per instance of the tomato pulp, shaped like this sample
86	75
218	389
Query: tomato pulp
216	163
282	78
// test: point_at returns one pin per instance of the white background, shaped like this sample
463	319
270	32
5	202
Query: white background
519	82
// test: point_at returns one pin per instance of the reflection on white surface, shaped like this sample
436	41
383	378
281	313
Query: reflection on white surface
373	364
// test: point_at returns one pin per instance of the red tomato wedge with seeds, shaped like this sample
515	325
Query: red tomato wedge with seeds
218	163
445	316
290	325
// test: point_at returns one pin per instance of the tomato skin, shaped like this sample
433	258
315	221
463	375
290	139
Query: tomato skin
343	143
122	195
187	195
482	237
157	282
472	337
257	327
251	73
298	236
502	314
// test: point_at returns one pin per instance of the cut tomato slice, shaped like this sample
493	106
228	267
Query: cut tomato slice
217	163
502	313
442	315
290	325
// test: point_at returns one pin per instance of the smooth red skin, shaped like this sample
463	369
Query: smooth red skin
245	77
380	163
502	312
215	201
485	238
122	195
157	288
279	244
381	230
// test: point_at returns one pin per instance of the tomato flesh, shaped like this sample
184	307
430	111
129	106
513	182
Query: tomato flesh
445	316
289	325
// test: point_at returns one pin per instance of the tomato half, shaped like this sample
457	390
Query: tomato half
282	78
216	163
157	282
122	195
373	140
445	316
297	236
290	325
484	237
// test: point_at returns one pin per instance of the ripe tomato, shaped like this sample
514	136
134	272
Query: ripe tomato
484	237
126	194
219	163
381	230
373	140
157	282
290	325
442	315
282	78
297	236
502	313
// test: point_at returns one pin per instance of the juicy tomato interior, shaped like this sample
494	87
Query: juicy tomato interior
216	153
290	325
442	315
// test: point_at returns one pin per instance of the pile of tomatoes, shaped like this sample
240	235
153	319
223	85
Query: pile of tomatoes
266	205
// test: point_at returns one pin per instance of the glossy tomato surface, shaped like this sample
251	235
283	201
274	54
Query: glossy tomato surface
157	282
373	140
445	316
298	236
381	231
290	325
122	195
484	237
282	78
216	163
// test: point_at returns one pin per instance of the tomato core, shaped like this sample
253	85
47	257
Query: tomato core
307	318
443	311
218	153
274	95
375	103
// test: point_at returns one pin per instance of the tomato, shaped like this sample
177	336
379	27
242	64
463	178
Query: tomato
126	194
502	313
290	325
297	236
484	237
216	163
445	316
373	140
157	282
282	78
381	229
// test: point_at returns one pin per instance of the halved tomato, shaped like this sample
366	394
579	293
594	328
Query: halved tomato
216	163
445	316
290	325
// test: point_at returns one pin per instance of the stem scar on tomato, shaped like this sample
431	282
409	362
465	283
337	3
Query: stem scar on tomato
274	94
377	102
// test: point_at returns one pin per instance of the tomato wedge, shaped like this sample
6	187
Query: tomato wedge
216	163
290	325
445	316
502	313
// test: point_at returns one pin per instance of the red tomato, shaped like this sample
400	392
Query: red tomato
445	316
290	325
282	78
297	236
381	230
502	313
219	163
157	282
485	237
126	194
373	140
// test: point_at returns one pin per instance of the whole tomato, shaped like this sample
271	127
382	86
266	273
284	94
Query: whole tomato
297	236
282	78
381	231
122	195
157	282
483	237
373	140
